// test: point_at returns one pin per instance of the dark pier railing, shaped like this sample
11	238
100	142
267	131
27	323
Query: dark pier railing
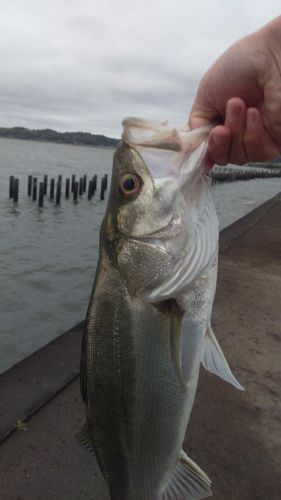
225	174
77	188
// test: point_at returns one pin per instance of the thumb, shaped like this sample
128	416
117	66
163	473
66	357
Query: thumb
201	114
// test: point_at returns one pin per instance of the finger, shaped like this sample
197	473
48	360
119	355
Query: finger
235	121
258	144
218	145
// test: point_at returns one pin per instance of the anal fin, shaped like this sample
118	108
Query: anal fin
187	481
214	360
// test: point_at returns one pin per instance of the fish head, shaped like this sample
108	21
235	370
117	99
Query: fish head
157	190
155	170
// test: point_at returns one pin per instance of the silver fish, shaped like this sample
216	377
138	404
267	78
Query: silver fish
148	324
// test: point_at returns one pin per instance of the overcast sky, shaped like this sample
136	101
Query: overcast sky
86	64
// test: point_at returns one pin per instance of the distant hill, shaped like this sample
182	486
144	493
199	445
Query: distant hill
50	135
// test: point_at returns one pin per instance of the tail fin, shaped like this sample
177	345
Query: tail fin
187	482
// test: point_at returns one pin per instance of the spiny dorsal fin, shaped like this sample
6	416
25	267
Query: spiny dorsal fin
214	360
187	481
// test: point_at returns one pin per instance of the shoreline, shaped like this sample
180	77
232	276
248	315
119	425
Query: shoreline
41	141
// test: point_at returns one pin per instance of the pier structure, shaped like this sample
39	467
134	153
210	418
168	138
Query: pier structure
78	189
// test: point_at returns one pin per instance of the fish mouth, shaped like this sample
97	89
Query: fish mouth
163	135
168	152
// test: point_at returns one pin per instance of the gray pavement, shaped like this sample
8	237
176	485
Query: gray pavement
234	436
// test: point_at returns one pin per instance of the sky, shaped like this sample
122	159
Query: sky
86	64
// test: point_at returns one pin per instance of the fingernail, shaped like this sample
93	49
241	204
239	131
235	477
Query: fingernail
251	118
234	111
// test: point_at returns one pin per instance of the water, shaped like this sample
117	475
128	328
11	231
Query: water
48	256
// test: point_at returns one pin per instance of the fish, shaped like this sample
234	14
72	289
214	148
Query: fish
148	324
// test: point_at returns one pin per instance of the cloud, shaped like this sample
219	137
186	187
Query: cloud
85	65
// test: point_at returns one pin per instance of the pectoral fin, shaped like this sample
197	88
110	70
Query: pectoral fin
187	481
214	361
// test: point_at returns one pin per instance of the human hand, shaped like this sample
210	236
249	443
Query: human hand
243	90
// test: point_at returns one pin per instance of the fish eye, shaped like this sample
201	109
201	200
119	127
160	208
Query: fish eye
129	185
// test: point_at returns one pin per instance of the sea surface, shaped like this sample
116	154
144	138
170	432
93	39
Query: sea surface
48	255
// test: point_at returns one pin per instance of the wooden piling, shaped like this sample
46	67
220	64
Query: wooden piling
11	186
90	190
41	194
75	191
67	186
72	183
34	189
58	193
29	185
52	189
81	186
84	183
45	184
16	190
95	180
102	189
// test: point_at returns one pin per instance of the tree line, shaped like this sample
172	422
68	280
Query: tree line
50	135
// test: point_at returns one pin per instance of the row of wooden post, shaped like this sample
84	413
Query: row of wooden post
77	188
232	175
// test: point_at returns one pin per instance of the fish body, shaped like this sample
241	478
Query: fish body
148	322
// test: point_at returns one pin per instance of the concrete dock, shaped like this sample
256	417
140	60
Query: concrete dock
234	436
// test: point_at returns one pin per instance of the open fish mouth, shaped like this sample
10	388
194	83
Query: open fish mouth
162	135
167	150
